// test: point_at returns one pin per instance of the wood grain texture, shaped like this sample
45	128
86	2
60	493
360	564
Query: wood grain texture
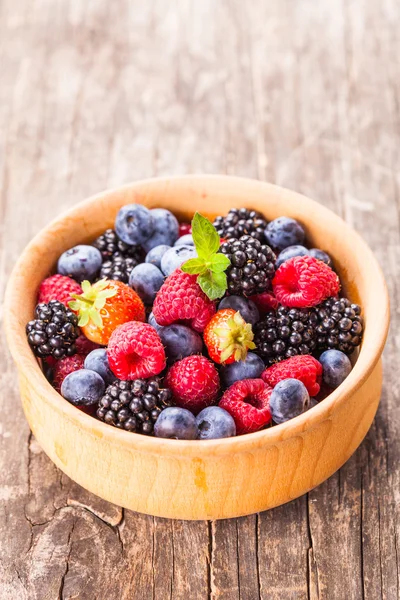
303	94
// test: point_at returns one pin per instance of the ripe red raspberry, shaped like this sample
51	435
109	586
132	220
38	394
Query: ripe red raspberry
184	229
180	298
135	351
194	382
247	401
64	367
305	368
304	281
58	287
85	346
265	302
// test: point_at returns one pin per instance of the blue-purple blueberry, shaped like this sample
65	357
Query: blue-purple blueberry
80	262
83	387
146	279
175	257
283	232
180	341
176	423
97	361
249	368
321	255
290	252
134	224
289	399
166	229
155	255
185	240
336	366
152	321
214	422
246	307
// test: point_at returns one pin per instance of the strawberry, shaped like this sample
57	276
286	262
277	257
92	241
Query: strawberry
135	351
105	305
58	287
228	337
247	402
194	382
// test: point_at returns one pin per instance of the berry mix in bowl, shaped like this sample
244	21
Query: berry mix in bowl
252	331
195	331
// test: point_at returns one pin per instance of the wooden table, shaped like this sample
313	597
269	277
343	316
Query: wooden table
302	93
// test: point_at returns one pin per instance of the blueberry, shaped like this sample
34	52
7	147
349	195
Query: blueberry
155	255
289	399
134	224
185	240
176	423
166	229
284	232
80	262
214	423
152	321
146	280
83	387
174	257
320	255
250	368
246	307
336	366
180	341
97	360
290	252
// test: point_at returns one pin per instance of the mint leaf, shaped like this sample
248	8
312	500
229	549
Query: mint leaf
218	263
205	236
194	266
214	285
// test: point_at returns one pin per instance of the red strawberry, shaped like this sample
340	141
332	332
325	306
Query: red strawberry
184	229
58	287
305	368
228	337
64	367
105	305
85	346
180	298
135	351
247	402
265	302
194	382
304	281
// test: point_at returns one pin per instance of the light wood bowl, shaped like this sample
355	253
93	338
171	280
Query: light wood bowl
202	479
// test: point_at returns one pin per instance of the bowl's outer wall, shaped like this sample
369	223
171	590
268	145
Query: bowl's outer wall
219	478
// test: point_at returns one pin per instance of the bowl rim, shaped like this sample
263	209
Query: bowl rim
27	362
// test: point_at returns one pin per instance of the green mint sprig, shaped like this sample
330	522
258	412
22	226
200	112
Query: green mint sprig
210	265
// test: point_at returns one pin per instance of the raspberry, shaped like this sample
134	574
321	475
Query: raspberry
180	298
135	351
58	287
194	382
247	402
265	302
85	346
304	368
64	367
304	281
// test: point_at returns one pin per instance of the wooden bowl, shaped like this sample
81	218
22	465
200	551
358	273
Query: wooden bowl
202	479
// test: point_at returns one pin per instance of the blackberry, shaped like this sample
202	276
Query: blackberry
133	405
340	325
119	258
252	265
241	221
286	332
53	331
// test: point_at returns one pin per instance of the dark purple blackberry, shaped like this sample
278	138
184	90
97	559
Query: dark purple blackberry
133	405
252	265
119	258
339	326
53	331
241	221
286	332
